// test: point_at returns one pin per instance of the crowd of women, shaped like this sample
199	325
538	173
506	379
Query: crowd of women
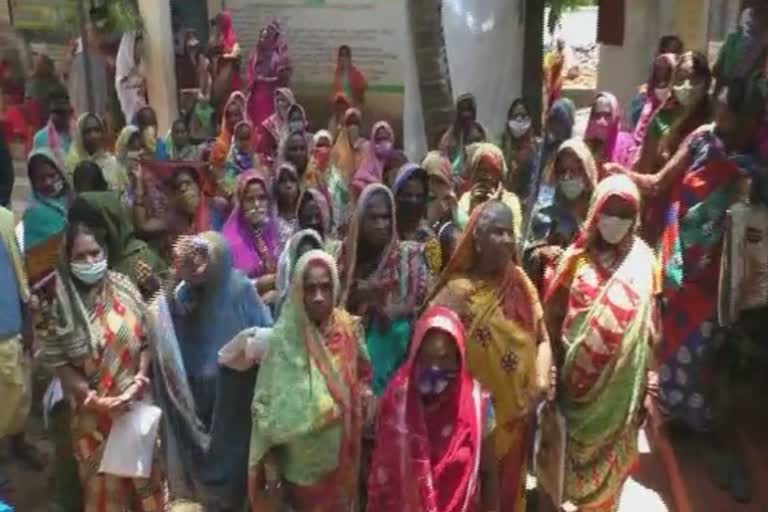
399	330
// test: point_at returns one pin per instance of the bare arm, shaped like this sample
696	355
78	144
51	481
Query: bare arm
649	153
73	382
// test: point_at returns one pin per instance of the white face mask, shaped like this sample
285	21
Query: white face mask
519	128
57	186
687	94
662	93
613	229
571	188
89	273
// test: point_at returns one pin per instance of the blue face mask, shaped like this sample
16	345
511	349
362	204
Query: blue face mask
89	273
434	380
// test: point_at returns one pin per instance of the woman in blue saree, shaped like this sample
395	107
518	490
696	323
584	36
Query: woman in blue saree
205	405
46	214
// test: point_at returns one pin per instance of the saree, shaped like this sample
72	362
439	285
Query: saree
307	407
206	432
452	142
225	69
649	107
254	252
287	221
319	166
113	172
690	253
331	244
290	256
346	156
618	142
350	82
371	169
264	66
606	339
223	142
428	456
44	217
240	161
130	81
103	341
504	325
58	142
126	253
554	62
274	128
491	157
400	278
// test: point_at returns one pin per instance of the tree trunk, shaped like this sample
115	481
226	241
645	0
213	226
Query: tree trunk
426	23
533	60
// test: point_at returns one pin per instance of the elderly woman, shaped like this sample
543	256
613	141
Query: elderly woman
314	212
604	135
602	318
384	281
300	243
206	434
89	144
508	350
309	397
253	235
486	176
97	344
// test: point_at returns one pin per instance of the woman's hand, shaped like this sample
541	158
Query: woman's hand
108	405
266	283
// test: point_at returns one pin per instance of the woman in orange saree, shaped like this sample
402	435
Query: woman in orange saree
508	349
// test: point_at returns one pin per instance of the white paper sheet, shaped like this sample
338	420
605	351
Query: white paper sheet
131	442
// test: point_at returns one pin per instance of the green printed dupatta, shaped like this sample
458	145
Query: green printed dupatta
606	336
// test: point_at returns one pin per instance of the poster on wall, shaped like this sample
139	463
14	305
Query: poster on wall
314	30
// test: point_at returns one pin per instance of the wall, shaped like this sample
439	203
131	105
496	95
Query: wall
623	68
484	40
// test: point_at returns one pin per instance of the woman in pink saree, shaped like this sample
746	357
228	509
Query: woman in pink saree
268	69
604	135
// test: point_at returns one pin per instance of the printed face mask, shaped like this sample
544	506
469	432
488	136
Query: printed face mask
571	188
434	380
613	229
89	273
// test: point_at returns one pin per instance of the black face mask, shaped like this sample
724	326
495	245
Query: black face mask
410	210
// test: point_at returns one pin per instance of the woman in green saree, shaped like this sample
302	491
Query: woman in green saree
308	402
602	319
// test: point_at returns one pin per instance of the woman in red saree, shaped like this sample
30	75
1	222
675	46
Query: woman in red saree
430	427
226	60
508	349
268	68
349	80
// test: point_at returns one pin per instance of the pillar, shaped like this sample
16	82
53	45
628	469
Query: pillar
693	23
160	60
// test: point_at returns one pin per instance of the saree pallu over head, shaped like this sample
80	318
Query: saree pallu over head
606	338
651	105
206	432
288	259
504	324
307	396
490	157
113	172
320	198
402	277
254	252
427	457
618	142
223	142
318	169
277	123
371	168
344	156
452	142
45	217
158	176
